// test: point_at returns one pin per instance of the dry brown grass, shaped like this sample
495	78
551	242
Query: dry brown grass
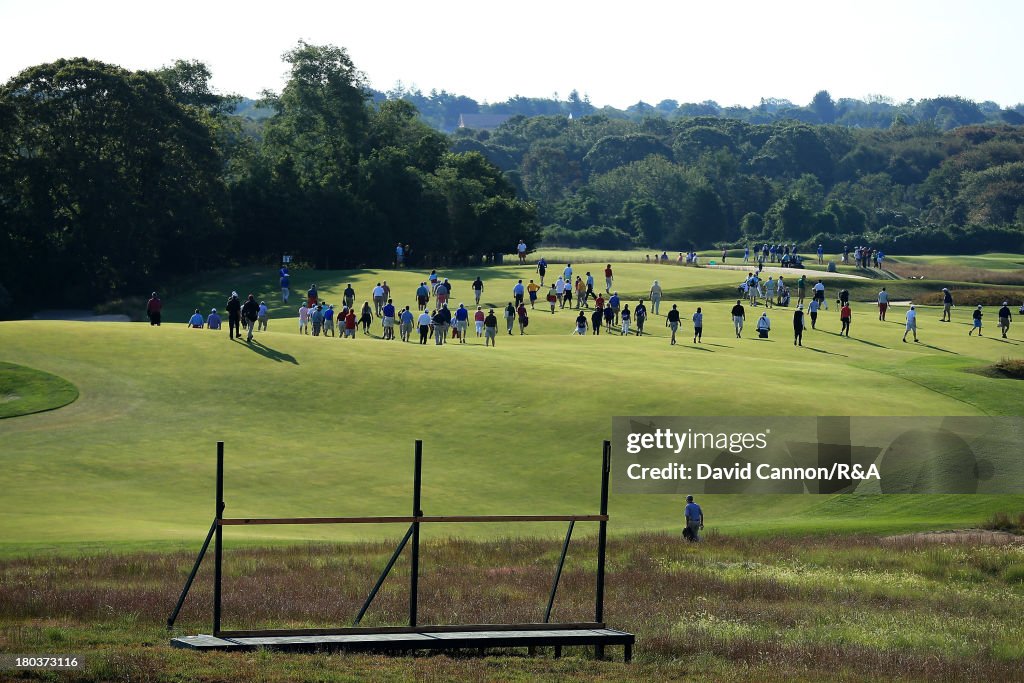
1006	521
973	297
744	608
947	273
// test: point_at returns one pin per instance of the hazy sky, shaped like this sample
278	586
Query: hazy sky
617	52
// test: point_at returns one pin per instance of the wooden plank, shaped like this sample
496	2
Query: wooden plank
354	630
444	640
241	521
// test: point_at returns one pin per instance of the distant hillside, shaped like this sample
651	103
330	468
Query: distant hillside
250	109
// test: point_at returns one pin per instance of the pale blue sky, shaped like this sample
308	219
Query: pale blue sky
731	52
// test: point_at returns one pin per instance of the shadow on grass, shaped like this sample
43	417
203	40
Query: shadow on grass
936	348
811	348
1004	341
856	339
270	353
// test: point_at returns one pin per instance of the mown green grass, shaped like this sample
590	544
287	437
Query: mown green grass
993	261
321	426
24	391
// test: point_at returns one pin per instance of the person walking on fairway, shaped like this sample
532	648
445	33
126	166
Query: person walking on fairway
524	318
798	326
640	314
263	315
672	323
478	289
478	320
764	325
154	308
213	320
595	320
196	321
424	324
250	312
947	303
552	299
626	318
542	269
738	316
531	290
698	325
883	304
608	278
613	304
844	317
656	294
406	326
812	309
581	324
1005	318
518	292
491	329
510	316
694	520
422	297
977	321
911	323
234	308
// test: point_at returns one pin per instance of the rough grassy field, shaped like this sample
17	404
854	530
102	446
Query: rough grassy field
775	608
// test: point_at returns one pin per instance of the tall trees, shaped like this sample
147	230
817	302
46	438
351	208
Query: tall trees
107	181
362	177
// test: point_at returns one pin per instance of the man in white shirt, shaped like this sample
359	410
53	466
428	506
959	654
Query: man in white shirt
378	299
883	303
911	323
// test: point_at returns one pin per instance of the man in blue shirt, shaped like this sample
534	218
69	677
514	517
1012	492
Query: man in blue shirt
285	284
422	296
213	321
518	291
462	322
694	520
613	303
388	319
406	328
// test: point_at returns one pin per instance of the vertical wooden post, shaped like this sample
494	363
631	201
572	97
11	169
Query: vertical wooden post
602	537
414	572
218	538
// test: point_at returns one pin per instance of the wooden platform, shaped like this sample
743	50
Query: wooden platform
424	638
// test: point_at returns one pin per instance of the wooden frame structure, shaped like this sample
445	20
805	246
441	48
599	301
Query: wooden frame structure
412	637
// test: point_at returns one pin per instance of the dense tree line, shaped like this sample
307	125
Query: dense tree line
703	181
111	180
442	109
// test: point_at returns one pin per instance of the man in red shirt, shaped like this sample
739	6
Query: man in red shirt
844	317
608	279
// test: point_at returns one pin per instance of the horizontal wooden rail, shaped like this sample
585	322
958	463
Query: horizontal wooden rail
456	628
408	520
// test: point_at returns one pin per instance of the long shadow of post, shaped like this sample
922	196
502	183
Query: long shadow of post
270	353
